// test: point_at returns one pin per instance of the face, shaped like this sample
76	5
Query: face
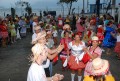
77	37
44	55
37	31
94	43
66	34
42	40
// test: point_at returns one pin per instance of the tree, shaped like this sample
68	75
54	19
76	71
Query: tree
28	9
68	2
13	12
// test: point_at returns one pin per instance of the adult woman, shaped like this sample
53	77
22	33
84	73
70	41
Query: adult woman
99	71
77	53
36	71
4	33
13	32
65	41
79	26
109	40
93	51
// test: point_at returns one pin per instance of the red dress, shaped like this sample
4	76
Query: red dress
63	54
3	31
100	33
60	22
76	51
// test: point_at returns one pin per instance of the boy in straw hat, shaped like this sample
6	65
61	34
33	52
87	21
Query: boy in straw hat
37	30
36	71
99	71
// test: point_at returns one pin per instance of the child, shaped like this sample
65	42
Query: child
117	47
100	32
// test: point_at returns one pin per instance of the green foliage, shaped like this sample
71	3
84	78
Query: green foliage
28	9
68	2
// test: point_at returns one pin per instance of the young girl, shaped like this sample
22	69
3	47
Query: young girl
117	47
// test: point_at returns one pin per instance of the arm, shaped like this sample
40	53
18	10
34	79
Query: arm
57	50
52	56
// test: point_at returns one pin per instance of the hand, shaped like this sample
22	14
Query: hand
60	47
85	49
55	78
60	77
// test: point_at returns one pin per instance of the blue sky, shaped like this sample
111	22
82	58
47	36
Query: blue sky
42	3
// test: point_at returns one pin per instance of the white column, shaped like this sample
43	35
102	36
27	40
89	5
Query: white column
119	13
113	8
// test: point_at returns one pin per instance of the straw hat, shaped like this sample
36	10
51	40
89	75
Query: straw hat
100	26
39	36
99	66
35	17
95	38
23	17
37	28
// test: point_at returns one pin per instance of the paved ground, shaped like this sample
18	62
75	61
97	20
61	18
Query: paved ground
14	62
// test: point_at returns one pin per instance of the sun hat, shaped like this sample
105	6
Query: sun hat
39	36
37	28
95	38
99	67
23	17
100	26
40	22
35	17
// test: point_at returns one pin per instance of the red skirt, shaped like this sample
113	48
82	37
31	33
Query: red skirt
4	34
73	65
117	47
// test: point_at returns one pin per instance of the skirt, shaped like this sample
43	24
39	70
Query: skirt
88	68
117	47
4	34
73	65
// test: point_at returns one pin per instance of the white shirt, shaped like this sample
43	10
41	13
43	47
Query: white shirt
33	25
76	49
34	36
118	38
36	73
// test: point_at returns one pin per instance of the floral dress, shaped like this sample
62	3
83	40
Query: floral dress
88	67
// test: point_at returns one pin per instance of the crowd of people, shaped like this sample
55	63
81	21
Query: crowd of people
78	41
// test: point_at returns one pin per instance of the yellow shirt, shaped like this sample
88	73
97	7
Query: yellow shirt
108	78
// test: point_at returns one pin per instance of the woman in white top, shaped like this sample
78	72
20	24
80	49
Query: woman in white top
77	52
117	47
36	71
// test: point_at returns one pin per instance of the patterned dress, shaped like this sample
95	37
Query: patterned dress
88	67
3	31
